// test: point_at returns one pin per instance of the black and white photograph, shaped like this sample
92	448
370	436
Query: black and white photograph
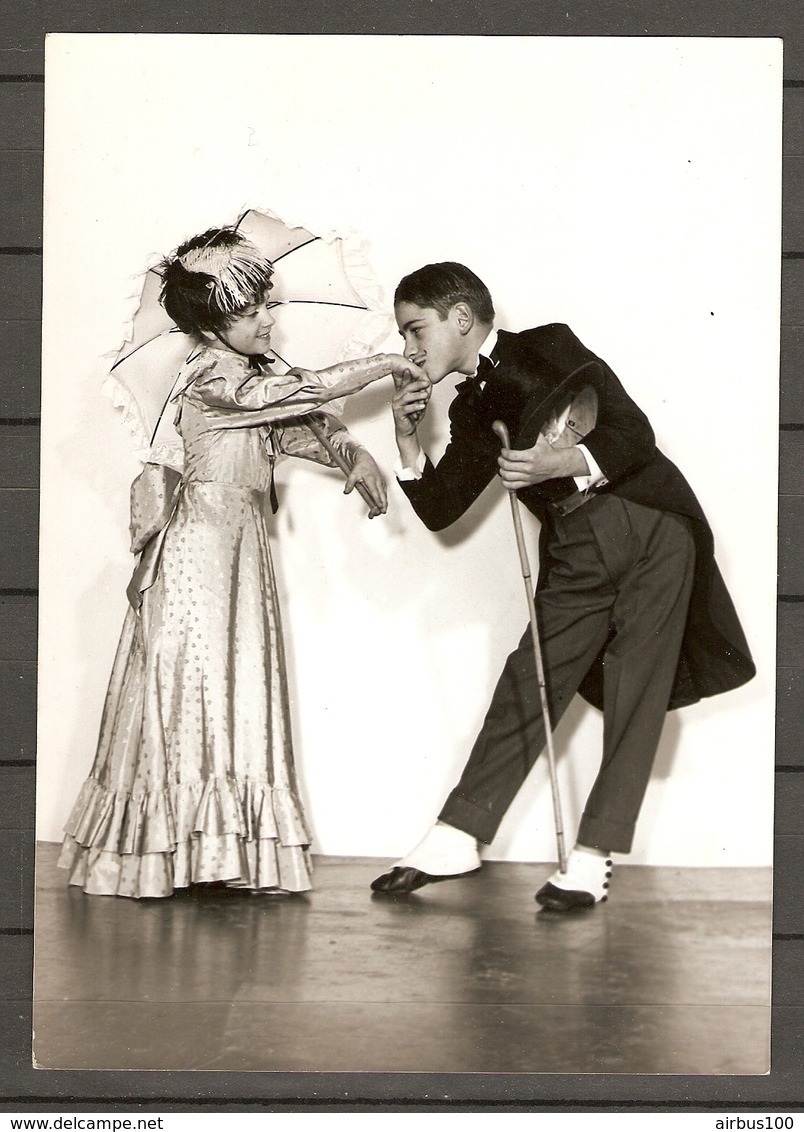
408	554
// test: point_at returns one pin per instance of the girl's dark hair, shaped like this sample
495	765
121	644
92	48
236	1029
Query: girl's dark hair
442	285
211	278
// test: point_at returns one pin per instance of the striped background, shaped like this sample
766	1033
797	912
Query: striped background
21	106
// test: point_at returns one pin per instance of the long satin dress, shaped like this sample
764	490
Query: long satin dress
193	779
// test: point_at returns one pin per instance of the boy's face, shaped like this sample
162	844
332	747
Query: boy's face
249	332
439	345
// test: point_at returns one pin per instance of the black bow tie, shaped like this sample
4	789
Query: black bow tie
473	385
485	368
475	381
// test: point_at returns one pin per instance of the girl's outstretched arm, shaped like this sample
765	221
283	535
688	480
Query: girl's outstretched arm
237	395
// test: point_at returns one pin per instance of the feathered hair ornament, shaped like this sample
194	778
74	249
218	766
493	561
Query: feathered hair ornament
238	271
212	277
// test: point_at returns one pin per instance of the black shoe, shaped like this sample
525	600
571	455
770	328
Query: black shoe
403	878
556	899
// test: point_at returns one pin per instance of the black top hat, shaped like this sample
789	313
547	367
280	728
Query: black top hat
542	406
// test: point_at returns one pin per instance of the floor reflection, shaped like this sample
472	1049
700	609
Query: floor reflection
671	976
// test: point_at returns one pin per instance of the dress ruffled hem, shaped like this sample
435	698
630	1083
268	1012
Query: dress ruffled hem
241	833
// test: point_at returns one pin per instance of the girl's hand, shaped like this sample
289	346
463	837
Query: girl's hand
409	403
365	471
403	369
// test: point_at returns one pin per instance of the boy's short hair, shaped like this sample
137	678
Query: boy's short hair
442	285
211	278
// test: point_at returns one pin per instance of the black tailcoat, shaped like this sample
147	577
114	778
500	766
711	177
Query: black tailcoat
528	367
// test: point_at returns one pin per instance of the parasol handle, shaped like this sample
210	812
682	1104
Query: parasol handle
320	435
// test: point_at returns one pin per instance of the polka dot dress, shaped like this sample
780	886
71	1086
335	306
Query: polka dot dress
193	780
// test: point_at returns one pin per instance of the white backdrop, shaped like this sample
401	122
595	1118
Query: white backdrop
628	187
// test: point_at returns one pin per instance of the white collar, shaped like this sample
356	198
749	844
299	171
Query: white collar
486	348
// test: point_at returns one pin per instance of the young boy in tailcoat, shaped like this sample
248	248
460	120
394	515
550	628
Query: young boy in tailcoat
632	610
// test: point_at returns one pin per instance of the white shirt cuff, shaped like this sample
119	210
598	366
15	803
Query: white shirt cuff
583	483
414	473
595	477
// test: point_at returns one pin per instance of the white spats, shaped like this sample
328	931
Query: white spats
588	870
443	851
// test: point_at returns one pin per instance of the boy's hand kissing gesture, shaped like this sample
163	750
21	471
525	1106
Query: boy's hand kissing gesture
413	389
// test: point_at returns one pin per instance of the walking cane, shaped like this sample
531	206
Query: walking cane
502	432
320	434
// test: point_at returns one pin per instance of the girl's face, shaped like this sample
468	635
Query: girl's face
249	332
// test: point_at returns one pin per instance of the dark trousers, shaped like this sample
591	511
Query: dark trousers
618	572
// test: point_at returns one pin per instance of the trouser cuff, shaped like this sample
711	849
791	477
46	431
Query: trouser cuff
609	836
473	819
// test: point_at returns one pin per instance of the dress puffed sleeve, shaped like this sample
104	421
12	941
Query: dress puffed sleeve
236	394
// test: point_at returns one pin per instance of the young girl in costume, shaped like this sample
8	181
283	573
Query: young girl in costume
193	781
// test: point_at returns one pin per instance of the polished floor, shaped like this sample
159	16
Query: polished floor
672	975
